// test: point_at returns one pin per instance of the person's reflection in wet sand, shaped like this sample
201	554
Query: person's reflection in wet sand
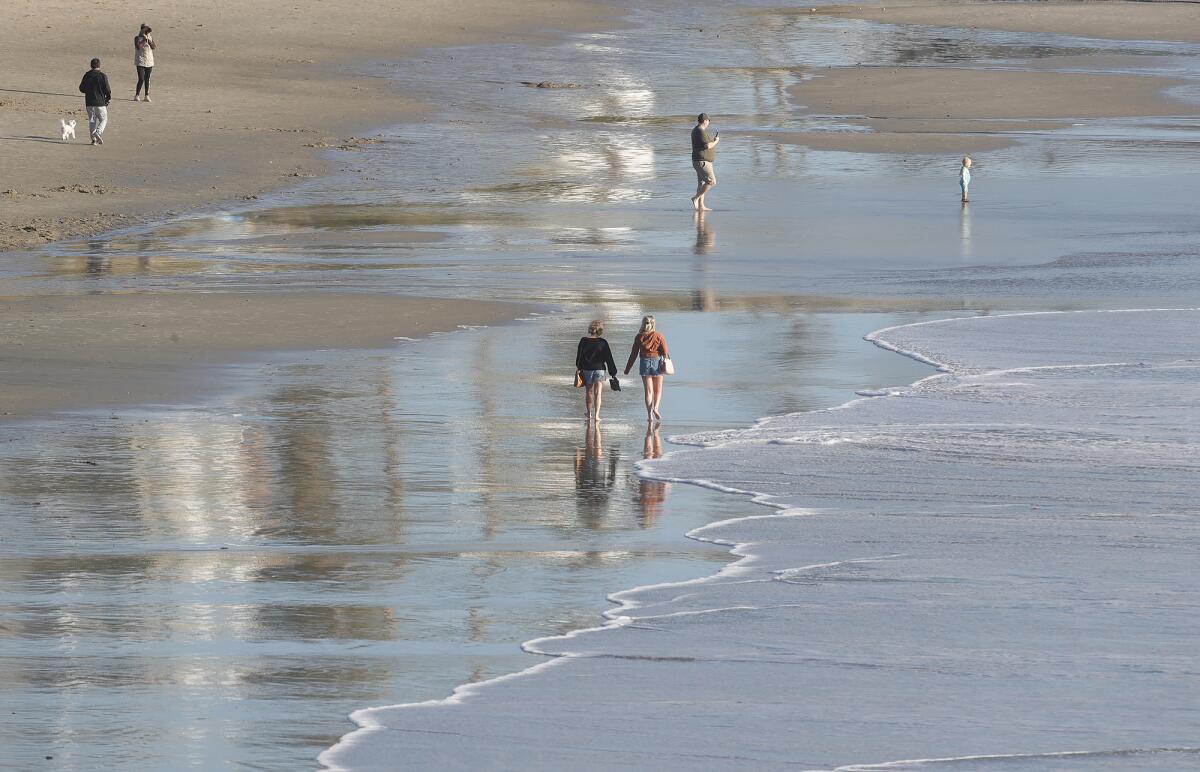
706	237
703	299
964	229
595	476
652	494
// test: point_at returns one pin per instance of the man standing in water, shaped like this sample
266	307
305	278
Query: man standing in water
97	95
703	152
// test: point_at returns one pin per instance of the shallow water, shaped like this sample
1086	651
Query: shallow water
240	571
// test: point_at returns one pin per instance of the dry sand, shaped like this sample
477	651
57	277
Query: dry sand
245	96
1108	20
102	351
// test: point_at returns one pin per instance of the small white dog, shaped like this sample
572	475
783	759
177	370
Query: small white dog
68	128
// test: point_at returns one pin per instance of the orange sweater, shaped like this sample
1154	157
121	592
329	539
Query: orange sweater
647	344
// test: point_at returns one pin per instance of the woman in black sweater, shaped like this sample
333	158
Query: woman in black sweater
592	359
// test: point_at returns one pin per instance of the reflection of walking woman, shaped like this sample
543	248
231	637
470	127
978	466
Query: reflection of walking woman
592	359
143	59
651	493
651	347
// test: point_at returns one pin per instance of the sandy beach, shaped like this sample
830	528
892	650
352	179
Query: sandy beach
243	102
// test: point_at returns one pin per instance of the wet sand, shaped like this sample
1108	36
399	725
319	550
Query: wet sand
944	93
244	101
911	142
103	351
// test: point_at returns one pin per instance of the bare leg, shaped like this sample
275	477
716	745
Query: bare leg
587	402
696	199
597	398
648	385
658	389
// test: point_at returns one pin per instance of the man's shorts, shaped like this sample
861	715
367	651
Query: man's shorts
704	172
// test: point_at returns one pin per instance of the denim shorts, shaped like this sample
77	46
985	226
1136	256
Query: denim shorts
648	366
593	376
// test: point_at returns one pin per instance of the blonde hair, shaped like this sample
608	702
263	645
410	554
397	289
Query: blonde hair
596	327
647	324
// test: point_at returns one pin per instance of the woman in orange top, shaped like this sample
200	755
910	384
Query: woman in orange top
651	347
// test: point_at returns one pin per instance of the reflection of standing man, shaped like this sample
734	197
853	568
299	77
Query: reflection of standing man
706	237
703	297
704	150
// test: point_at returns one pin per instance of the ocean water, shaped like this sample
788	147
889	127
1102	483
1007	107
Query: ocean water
994	568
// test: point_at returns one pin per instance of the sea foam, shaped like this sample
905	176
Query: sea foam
992	568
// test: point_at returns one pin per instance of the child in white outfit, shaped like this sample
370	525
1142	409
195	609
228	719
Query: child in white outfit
964	178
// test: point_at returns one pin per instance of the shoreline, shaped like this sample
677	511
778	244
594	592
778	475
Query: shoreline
624	603
242	106
646	611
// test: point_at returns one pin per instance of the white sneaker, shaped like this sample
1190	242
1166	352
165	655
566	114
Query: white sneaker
99	140
147	99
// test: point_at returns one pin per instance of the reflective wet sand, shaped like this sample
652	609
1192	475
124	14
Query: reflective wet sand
222	582
355	528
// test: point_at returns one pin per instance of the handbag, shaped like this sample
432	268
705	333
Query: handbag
616	385
668	366
578	379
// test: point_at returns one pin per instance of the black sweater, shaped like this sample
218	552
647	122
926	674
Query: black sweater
94	88
594	354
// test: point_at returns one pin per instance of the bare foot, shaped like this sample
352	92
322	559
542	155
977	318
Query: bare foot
695	205
705	209
657	416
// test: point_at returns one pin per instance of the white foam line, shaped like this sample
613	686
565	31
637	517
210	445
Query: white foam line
786	573
1007	757
878	339
368	724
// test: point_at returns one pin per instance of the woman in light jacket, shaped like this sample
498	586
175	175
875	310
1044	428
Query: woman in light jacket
143	59
650	349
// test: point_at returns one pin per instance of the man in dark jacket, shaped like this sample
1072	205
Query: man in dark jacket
97	95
